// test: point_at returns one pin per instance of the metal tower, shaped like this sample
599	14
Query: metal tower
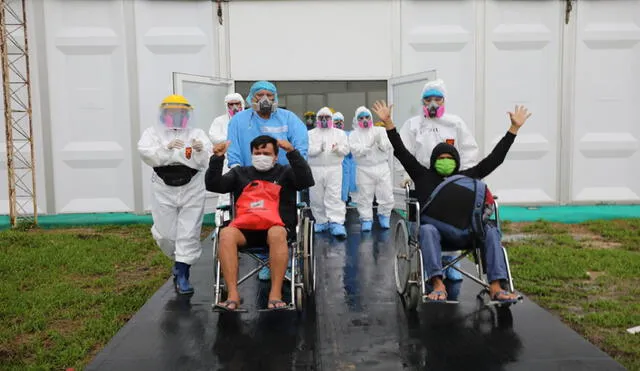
14	55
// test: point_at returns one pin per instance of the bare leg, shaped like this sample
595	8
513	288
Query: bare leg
278	255
230	239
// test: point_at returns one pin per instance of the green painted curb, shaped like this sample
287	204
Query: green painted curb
83	220
558	214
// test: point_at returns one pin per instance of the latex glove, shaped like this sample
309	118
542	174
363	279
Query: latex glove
176	143
197	145
406	181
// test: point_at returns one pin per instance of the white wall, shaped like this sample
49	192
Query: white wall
307	40
99	69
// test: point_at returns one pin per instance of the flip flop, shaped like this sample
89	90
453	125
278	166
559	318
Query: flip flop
224	307
496	300
276	308
440	301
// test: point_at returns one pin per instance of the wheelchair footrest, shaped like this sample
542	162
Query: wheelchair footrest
426	300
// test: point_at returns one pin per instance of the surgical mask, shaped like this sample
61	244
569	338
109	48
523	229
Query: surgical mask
262	162
338	124
265	105
324	122
445	166
433	109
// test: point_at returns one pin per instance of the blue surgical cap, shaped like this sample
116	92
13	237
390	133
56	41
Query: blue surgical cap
262	85
432	93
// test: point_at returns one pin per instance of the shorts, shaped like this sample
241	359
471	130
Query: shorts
259	238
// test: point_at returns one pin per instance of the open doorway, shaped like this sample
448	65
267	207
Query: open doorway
342	96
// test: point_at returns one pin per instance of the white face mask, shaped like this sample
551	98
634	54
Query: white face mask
262	162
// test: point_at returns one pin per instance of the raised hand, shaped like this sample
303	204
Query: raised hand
221	148
383	111
518	118
284	144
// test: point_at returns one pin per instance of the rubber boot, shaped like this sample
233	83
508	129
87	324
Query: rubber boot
181	279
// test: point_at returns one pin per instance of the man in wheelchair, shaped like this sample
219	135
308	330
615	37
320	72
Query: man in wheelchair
266	213
454	205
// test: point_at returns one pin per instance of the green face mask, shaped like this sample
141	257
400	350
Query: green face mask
445	166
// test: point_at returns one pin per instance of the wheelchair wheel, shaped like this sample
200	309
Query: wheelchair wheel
402	263
299	299
308	270
412	297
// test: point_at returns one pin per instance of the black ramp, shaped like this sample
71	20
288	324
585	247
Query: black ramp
359	324
364	326
171	333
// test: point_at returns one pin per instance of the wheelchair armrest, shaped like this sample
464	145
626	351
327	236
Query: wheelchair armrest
224	207
301	205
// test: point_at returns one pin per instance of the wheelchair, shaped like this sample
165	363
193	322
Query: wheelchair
302	263
409	266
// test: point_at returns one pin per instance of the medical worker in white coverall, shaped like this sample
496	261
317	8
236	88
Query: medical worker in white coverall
218	133
371	148
327	148
179	156
420	134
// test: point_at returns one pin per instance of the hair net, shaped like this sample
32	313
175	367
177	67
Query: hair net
338	116
234	97
324	111
262	85
435	87
361	111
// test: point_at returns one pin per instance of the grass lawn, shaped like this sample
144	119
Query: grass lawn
588	274
64	293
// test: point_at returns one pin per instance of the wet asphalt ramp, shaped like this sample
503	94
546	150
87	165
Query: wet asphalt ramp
359	324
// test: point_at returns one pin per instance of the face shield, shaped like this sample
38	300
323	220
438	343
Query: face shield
175	118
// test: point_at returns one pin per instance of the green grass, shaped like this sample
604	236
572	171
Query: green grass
65	293
589	275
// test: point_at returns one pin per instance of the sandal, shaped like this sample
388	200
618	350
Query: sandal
225	306
275	306
495	297
440	293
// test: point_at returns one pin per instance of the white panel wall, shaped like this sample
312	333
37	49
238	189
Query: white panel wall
441	35
306	40
171	36
523	56
606	130
90	125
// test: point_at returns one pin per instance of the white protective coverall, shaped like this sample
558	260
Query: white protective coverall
177	212
420	134
371	148
218	134
327	148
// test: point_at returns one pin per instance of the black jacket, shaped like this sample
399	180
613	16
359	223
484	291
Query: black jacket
426	180
292	178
